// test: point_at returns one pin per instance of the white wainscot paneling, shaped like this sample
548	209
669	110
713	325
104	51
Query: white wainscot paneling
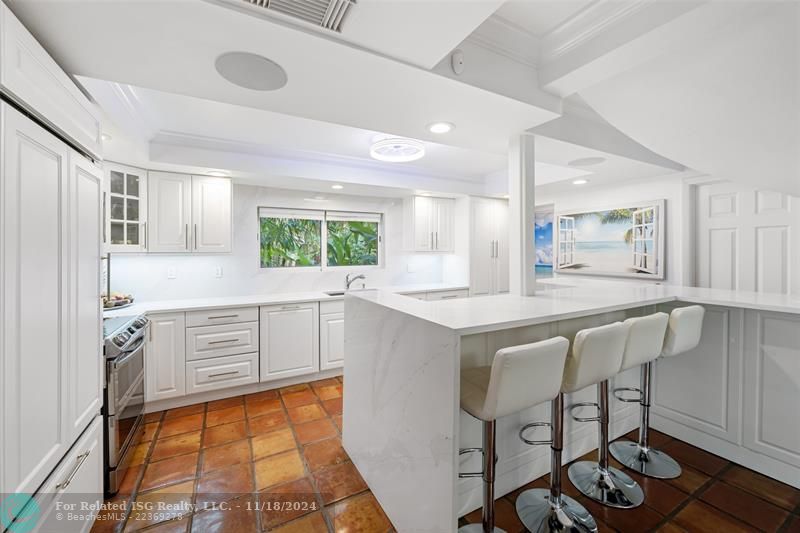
701	388
772	385
772	259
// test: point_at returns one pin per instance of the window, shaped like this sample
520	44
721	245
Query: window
294	238
352	238
290	238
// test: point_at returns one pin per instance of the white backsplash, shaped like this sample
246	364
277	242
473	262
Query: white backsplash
146	275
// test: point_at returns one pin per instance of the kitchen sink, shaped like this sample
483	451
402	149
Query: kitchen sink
335	293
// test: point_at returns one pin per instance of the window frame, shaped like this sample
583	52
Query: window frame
323	213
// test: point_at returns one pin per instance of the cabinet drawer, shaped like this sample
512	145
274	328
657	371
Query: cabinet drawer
230	315
336	306
77	479
217	341
221	372
448	295
416	295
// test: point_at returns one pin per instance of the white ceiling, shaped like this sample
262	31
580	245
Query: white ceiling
539	17
171	46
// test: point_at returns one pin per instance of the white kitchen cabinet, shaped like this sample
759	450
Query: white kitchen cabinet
289	340
211	214
165	357
447	295
188	213
86	315
489	264
34	429
331	334
34	80
206	342
50	320
429	224
76	479
169	212
125	208
221	372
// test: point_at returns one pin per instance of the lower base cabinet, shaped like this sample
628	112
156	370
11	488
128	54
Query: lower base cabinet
289	340
165	357
221	372
77	479
331	334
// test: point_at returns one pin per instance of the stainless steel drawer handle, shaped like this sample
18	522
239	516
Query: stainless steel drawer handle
231	373
220	317
223	341
450	297
81	459
287	307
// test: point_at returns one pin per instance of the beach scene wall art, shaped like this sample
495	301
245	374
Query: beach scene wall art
543	235
627	240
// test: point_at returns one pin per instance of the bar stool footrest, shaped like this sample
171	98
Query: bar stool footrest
464	451
619	391
584	418
535	425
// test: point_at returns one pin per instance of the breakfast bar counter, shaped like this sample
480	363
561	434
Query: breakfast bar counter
403	427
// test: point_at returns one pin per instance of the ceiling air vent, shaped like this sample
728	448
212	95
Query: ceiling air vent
328	14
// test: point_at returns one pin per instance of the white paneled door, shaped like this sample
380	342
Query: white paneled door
289	340
747	239
165	357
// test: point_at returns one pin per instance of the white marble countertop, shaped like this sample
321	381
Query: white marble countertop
197	304
561	302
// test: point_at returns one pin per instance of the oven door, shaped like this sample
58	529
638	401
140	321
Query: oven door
125	401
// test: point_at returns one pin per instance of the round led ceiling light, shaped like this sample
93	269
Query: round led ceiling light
251	71
587	161
397	150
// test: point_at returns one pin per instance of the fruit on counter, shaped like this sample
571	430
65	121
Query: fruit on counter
116	299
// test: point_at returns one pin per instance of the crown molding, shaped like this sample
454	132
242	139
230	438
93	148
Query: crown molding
503	37
587	24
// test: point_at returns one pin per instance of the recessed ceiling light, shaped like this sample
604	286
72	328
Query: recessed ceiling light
337	187
317	198
397	150
580	181
106	137
251	71
440	127
425	194
587	161
218	173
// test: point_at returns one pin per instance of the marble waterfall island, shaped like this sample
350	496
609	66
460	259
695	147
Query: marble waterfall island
403	426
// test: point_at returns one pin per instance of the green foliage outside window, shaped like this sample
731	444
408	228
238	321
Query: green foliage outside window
352	243
290	242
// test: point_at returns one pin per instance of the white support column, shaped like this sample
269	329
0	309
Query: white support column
521	202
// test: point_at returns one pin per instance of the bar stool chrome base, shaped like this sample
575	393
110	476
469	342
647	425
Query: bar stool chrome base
540	515
611	487
648	462
477	528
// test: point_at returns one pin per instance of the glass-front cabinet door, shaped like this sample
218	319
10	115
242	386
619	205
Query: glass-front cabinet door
126	208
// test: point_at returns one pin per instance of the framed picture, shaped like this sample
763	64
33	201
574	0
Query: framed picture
626	240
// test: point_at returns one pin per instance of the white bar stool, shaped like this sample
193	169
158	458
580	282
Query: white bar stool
520	377
548	510
597	356
681	332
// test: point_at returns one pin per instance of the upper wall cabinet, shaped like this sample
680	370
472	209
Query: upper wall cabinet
29	76
170	212
429	224
125	205
189	213
211	214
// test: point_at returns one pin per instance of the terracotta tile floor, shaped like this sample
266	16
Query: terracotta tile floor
712	495
283	448
276	448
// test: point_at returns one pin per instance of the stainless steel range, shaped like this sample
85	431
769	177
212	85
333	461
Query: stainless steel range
123	406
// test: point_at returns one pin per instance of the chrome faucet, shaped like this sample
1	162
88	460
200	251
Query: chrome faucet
349	279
